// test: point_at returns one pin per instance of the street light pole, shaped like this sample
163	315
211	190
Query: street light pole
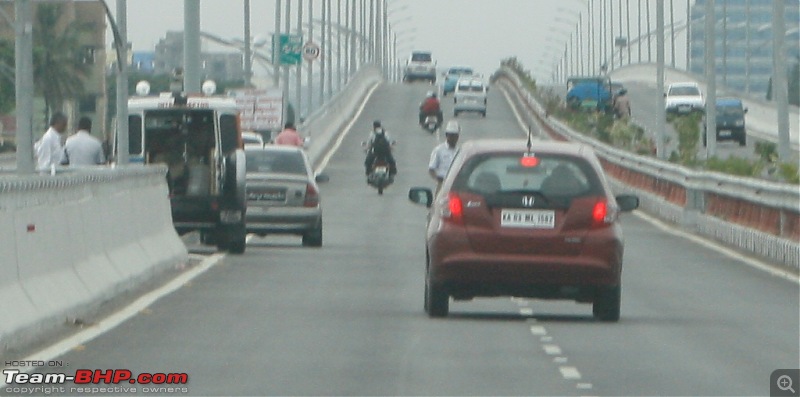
711	80
276	46
779	86
121	140
191	46
661	117
23	62
248	62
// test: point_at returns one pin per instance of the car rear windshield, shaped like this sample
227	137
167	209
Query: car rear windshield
420	57
729	110
557	176
275	161
684	91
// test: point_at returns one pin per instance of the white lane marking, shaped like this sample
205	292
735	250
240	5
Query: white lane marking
112	321
343	135
766	267
570	373
584	386
526	311
551	349
538	330
546	339
560	360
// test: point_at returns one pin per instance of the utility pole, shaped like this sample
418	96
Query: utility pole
23	76
287	32
299	74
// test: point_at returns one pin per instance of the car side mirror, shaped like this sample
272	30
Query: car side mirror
421	195
627	202
322	178
745	110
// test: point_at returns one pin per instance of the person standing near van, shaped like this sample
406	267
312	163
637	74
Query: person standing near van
48	150
289	136
83	149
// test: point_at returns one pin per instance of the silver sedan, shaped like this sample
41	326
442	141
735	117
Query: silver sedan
282	194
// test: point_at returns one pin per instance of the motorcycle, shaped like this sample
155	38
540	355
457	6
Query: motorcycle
431	123
380	176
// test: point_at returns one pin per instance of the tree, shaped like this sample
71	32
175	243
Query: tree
7	82
59	70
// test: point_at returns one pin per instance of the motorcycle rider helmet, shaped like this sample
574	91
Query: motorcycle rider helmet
376	124
452	128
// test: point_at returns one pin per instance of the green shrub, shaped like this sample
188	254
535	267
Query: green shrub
767	151
688	129
735	166
789	172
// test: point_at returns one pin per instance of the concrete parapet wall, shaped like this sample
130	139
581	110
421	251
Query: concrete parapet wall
72	241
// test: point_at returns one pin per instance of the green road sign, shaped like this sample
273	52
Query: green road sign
291	49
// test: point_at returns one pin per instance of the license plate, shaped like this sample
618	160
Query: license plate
532	219
381	170
684	108
724	132
277	195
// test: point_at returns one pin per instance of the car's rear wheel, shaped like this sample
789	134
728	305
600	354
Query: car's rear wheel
743	140
313	238
437	302
607	304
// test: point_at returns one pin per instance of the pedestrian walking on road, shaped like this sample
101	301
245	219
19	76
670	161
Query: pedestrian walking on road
83	149
48	150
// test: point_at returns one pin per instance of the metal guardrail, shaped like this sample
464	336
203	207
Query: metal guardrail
760	216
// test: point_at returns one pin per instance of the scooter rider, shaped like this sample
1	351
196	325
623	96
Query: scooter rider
443	154
379	147
430	106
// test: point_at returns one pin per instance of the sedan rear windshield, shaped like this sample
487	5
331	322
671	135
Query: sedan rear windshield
267	161
554	176
421	57
688	91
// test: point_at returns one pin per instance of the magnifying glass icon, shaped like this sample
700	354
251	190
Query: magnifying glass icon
785	383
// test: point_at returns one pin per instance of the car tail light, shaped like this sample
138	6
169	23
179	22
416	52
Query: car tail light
602	214
455	208
312	196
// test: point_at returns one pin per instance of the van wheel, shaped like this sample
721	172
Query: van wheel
607	303
436	300
455	114
483	114
743	140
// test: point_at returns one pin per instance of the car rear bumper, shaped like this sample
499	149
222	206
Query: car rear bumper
470	107
282	220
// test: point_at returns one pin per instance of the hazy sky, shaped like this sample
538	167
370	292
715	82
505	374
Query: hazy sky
478	33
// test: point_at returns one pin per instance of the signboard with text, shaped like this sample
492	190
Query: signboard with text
259	109
291	48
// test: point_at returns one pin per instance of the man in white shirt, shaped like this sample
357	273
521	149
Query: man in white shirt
443	154
48	150
82	149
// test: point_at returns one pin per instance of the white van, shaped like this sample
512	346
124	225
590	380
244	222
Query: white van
470	96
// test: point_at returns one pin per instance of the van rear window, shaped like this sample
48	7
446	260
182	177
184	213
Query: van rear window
420	57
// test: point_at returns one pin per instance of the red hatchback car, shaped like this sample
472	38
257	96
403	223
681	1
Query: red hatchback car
525	220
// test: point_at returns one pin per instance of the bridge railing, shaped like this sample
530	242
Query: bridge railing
761	217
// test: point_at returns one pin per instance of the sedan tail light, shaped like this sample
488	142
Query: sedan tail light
603	214
312	196
454	211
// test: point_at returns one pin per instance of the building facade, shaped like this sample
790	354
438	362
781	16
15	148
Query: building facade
743	45
218	66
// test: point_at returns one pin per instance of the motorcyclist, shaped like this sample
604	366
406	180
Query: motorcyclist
379	147
430	106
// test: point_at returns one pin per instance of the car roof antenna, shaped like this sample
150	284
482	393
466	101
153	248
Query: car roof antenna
530	142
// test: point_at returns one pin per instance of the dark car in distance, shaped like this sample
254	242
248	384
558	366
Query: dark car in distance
730	121
536	223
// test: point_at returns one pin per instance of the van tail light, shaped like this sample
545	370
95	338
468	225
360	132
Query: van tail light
312	196
603	214
454	211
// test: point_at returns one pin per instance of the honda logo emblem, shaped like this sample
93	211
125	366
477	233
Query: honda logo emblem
528	201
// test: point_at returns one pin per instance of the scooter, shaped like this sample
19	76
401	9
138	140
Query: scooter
380	177
431	123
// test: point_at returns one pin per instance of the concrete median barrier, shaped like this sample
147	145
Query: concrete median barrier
72	241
